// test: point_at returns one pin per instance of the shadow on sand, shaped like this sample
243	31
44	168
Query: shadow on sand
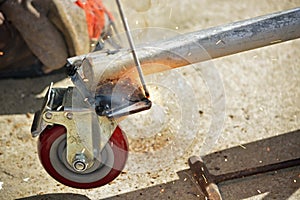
18	96
279	184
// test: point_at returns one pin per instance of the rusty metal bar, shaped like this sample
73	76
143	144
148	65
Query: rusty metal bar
257	170
208	182
205	180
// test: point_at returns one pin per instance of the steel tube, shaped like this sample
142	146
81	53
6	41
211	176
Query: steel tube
199	46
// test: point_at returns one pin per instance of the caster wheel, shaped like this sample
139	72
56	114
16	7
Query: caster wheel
52	154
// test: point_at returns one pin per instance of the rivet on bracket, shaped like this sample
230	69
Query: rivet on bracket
69	115
48	115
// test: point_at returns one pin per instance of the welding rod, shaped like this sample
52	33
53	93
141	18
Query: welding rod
132	46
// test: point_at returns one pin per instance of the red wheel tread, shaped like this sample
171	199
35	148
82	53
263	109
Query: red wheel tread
118	143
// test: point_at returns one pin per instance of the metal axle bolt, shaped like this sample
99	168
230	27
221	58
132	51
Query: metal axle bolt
79	166
79	163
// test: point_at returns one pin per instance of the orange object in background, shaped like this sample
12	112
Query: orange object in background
95	16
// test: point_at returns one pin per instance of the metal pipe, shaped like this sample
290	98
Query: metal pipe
199	46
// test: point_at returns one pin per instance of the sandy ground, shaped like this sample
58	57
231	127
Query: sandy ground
251	97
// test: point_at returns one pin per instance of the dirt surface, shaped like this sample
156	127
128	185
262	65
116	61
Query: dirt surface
251	97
